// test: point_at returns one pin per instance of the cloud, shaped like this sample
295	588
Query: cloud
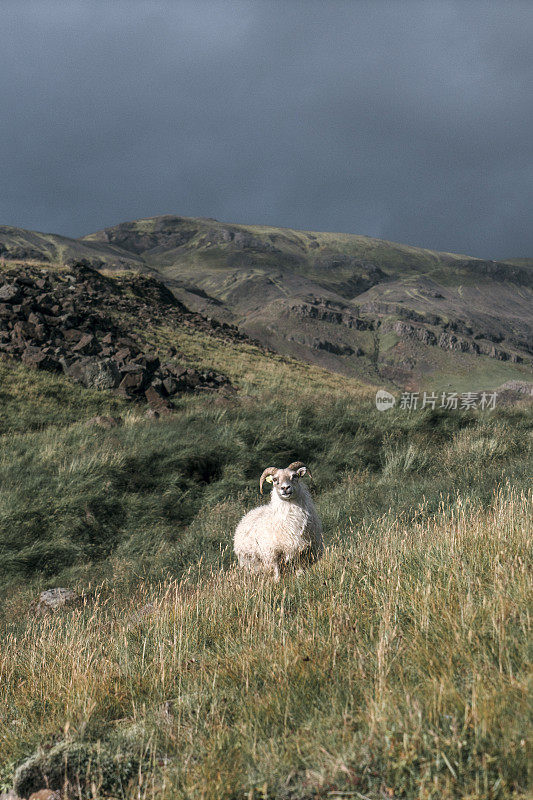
409	121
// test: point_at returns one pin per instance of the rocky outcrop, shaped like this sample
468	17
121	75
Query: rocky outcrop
326	312
522	387
497	270
388	309
92	372
336	349
71	321
406	331
447	340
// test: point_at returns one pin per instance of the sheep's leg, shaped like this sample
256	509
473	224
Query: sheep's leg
278	565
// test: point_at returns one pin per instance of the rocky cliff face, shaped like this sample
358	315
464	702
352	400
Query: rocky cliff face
448	340
325	311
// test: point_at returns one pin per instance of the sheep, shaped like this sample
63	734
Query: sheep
286	533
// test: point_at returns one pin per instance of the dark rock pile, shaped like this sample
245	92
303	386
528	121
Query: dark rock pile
74	321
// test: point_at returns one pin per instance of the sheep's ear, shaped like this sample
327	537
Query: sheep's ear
302	471
268	478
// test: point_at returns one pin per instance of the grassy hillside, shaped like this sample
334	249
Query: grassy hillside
77	501
311	294
395	668
166	241
325	298
17	244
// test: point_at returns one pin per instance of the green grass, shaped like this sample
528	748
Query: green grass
475	373
397	667
75	500
31	400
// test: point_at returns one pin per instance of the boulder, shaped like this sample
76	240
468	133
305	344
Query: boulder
85	345
39	359
23	330
72	334
122	355
134	380
157	402
40	333
192	377
53	600
94	373
157	384
126	341
9	293
150	361
45	301
175	369
35	318
170	385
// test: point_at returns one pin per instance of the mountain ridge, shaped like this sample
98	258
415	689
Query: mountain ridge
368	308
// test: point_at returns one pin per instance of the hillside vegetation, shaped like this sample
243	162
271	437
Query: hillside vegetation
383	312
395	668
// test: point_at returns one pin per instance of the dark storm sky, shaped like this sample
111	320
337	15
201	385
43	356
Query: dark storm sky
410	121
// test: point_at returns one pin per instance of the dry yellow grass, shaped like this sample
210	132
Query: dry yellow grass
252	370
397	667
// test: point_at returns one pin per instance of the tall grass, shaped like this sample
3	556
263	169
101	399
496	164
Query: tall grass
79	503
397	667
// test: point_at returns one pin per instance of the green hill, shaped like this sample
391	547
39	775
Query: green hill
378	311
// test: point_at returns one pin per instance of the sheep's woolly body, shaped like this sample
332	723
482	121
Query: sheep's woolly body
282	533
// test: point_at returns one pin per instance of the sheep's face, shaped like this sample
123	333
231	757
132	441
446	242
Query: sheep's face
285	481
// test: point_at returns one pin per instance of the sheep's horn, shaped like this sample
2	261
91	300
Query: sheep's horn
268	471
296	465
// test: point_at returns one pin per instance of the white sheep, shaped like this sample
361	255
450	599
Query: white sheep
286	533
